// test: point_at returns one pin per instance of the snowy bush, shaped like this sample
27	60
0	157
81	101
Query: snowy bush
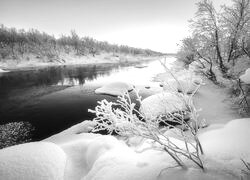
122	117
15	133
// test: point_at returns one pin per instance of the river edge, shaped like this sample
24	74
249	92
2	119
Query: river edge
213	101
105	58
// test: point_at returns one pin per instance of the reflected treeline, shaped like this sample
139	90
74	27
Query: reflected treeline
59	75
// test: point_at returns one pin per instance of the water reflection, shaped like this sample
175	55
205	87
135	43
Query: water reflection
61	75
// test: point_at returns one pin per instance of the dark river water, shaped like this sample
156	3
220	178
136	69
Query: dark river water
55	98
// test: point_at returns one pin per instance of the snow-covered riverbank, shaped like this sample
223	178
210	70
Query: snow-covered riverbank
67	59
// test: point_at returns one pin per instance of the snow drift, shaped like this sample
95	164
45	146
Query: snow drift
86	156
39	160
160	104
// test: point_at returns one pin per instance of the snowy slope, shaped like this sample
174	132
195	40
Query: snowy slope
77	155
39	161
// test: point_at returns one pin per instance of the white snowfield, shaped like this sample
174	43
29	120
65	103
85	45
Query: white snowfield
160	104
115	89
246	76
74	155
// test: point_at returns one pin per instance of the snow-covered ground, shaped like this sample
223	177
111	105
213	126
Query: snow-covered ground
31	61
74	155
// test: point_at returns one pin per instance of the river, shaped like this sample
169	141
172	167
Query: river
55	98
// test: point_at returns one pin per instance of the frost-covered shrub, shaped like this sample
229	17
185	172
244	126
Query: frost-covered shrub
123	118
15	133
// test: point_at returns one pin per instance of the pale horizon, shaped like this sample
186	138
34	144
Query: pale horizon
156	25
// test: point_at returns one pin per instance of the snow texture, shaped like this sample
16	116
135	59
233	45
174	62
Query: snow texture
115	89
160	104
38	160
230	141
246	76
223	147
103	157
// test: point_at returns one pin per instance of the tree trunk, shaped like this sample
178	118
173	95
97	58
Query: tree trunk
219	57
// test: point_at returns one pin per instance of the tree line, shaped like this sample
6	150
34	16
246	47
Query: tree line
219	38
17	43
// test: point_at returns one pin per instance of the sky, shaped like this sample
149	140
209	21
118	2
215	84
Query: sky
154	24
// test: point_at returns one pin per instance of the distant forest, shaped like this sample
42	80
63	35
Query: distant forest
14	44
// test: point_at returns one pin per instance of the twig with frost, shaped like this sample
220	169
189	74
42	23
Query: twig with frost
122	118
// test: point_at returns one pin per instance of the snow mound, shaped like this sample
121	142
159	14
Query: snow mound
121	163
115	89
160	104
38	160
185	81
86	149
231	141
246	76
2	71
103	157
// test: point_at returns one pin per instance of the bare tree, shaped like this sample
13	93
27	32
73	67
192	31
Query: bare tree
199	48
206	25
236	19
